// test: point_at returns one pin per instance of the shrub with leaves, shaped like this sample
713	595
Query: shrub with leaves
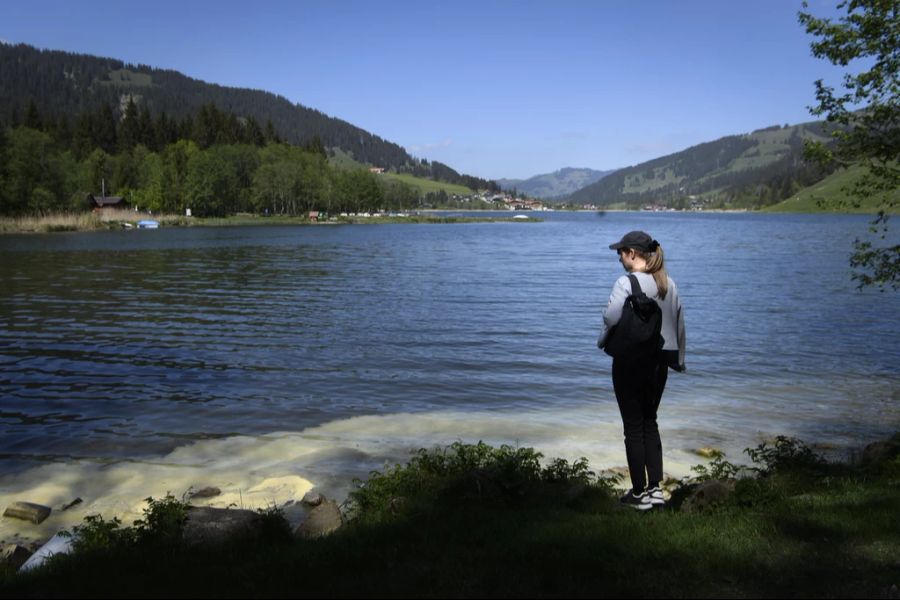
559	470
718	468
785	453
96	533
465	472
163	521
273	526
162	524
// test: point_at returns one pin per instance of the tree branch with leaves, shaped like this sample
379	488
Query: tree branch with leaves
865	119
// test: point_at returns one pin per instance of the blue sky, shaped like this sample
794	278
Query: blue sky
498	89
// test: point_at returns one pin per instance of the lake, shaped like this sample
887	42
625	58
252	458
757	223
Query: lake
268	360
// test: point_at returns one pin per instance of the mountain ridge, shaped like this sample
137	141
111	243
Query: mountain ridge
555	185
739	171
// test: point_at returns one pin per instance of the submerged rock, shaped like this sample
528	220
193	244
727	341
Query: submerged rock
622	472
708	452
207	492
74	502
28	511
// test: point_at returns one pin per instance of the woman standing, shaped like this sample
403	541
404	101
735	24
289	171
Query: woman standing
639	383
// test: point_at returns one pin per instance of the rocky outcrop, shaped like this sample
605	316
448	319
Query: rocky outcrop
14	556
312	498
708	494
322	520
879	452
206	525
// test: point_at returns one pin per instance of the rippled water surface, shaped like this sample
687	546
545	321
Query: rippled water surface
363	342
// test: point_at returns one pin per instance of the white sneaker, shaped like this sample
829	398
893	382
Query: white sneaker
639	502
656	497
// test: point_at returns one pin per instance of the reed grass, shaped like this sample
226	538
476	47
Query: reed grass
51	222
115	219
83	221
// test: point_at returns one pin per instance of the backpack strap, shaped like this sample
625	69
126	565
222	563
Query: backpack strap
635	285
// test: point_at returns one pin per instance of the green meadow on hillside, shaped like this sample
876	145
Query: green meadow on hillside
832	195
427	186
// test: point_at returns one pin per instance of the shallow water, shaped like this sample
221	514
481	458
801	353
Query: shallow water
276	359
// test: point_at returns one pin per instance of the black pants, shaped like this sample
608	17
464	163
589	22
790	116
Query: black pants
639	387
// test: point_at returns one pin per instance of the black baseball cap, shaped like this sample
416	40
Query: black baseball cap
636	240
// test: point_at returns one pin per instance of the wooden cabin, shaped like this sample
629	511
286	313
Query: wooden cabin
97	203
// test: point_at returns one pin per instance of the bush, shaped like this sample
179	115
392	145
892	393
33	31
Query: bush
99	534
782	467
163	521
718	468
273	526
162	525
785	454
467	472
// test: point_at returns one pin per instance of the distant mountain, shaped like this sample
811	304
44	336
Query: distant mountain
554	185
750	170
63	83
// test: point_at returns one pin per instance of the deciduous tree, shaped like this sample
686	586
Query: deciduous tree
865	114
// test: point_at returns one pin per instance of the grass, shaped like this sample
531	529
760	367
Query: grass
830	195
49	223
255	220
127	77
427	186
82	221
471	520
343	160
114	219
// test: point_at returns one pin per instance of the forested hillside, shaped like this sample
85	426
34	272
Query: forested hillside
212	163
63	85
739	171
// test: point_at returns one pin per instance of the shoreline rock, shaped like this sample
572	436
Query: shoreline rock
708	494
324	519
312	498
207	525
206	492
28	511
14	556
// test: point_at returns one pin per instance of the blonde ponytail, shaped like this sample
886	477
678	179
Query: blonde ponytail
656	267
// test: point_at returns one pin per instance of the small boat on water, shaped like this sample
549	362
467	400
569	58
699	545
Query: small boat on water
148	224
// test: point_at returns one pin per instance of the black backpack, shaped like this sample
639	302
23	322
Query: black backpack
637	334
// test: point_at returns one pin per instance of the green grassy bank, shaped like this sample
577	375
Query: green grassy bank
473	521
832	195
92	222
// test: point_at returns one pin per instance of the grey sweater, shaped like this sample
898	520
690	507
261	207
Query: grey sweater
672	318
